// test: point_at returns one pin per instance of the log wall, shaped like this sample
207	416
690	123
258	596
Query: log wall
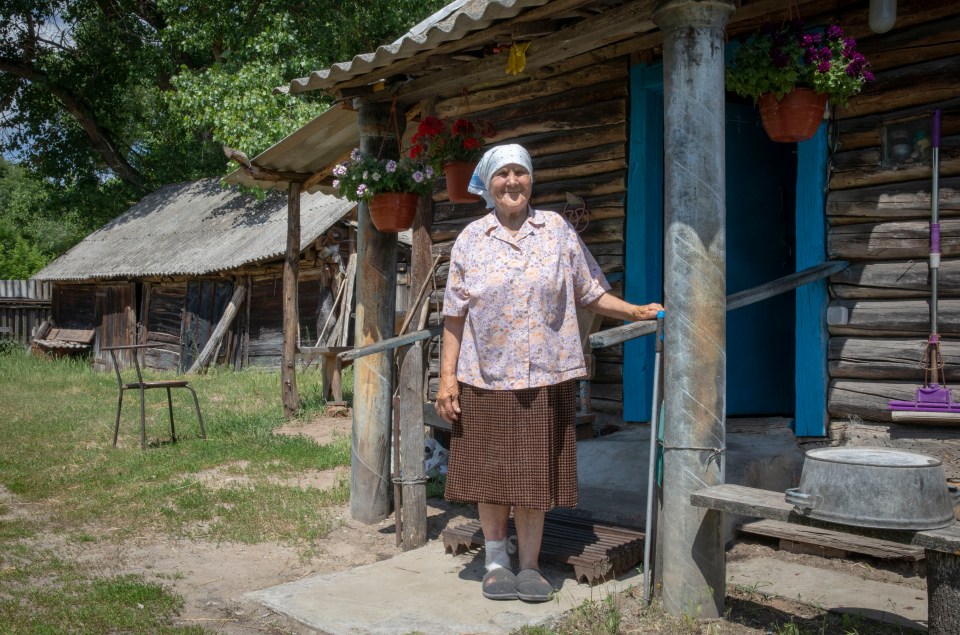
879	214
24	305
574	124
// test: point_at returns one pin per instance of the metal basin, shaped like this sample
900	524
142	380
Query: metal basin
874	487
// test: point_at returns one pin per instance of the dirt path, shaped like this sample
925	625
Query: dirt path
215	578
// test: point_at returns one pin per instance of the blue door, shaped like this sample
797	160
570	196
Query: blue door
761	244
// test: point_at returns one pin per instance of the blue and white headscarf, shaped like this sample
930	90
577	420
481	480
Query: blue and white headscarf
494	159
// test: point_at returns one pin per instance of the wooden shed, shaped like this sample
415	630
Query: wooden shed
164	272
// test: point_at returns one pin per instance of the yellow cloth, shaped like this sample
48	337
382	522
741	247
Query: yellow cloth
518	57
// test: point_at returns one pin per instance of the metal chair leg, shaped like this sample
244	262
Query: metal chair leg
143	420
173	432
196	404
116	427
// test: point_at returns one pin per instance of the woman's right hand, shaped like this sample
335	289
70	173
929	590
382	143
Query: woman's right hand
448	398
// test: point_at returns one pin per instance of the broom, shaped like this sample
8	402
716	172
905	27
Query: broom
933	401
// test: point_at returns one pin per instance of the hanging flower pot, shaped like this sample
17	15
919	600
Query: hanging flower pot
393	211
458	174
796	117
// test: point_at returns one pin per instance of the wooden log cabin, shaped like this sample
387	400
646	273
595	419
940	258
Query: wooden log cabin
164	272
589	107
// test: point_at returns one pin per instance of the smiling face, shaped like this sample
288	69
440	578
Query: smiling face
510	187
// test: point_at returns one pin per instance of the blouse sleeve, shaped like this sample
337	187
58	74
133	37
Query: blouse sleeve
589	283
456	297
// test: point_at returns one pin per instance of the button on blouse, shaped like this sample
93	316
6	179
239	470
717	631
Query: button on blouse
519	295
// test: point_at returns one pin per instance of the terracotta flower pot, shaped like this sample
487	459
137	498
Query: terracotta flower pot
796	117
393	211
458	175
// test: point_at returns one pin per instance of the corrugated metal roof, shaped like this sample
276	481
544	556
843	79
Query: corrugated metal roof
450	23
192	229
309	149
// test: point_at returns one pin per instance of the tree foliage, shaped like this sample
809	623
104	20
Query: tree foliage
109	99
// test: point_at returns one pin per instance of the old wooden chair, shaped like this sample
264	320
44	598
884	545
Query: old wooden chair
142	386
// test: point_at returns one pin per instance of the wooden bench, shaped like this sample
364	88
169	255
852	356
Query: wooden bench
331	369
941	546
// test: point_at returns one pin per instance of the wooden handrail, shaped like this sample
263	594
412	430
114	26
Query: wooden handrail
735	301
391	343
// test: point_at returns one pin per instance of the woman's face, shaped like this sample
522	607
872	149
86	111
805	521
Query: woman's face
510	187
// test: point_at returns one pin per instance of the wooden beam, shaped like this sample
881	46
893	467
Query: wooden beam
262	174
391	343
291	310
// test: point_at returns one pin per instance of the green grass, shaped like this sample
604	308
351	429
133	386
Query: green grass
56	422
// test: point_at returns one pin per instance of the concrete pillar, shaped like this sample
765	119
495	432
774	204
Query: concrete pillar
694	296
373	374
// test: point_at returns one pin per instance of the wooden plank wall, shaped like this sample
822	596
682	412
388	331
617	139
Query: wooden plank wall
879	218
24	305
574	123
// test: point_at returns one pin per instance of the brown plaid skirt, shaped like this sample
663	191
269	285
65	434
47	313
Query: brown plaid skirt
515	447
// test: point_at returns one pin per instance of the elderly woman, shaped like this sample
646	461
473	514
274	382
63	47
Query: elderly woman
511	357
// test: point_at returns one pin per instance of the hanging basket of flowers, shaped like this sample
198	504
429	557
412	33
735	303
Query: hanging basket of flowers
792	74
390	187
454	146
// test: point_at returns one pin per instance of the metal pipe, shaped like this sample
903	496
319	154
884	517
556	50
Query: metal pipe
648	538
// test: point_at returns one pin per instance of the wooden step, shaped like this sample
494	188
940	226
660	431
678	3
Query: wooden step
598	552
830	544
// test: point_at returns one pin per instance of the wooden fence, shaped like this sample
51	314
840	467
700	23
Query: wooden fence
24	305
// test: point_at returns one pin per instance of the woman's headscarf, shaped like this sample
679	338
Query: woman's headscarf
494	159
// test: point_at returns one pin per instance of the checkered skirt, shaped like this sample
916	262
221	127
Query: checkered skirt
515	447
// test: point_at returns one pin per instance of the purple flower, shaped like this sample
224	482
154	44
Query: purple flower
418	176
391	166
823	66
780	59
361	190
429	172
336	183
817	39
340	170
868	76
810	56
849	46
825	53
355	154
806	40
834	32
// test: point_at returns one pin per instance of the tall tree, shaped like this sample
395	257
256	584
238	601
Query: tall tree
146	90
106	100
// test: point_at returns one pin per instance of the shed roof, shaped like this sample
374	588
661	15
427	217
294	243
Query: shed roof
193	228
317	145
450	23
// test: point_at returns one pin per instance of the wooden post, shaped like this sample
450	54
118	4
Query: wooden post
225	321
695	297
291	309
376	294
943	592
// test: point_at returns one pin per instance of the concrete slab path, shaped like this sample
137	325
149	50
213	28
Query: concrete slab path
423	591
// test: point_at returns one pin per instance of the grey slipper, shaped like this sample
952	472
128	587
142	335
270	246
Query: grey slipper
500	584
533	587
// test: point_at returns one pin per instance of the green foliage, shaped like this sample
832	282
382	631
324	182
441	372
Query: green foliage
365	176
101	103
779	59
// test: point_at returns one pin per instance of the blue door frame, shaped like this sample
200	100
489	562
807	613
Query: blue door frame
644	255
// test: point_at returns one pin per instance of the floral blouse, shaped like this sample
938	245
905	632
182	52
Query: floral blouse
519	294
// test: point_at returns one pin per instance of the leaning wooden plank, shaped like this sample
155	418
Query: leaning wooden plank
213	344
833	540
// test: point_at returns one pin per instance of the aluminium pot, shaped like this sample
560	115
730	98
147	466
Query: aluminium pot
874	487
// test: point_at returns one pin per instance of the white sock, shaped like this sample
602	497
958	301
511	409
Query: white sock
496	554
